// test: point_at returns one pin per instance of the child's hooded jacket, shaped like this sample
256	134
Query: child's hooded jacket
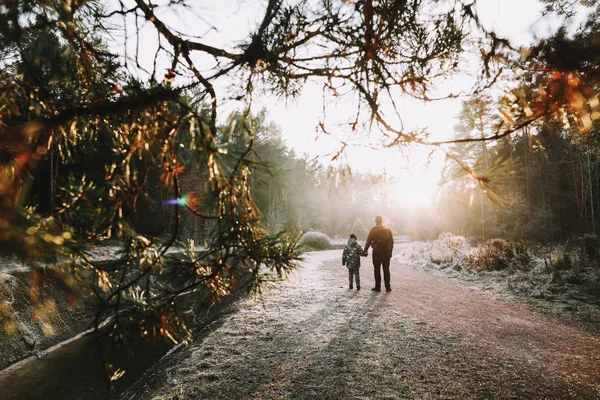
351	255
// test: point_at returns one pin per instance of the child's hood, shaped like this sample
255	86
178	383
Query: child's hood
352	242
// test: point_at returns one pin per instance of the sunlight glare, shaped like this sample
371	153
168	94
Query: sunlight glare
411	176
418	188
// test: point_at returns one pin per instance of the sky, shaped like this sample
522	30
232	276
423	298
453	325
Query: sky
417	170
299	118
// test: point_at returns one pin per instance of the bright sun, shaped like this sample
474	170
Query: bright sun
413	188
412	179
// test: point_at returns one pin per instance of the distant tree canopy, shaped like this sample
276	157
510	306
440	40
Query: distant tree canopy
540	179
97	141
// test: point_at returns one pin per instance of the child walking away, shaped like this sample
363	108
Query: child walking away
351	259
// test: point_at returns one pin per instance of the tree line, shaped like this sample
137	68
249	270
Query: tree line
539	184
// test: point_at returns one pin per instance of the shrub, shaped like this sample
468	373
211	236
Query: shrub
575	266
560	259
359	229
448	248
499	254
590	247
315	241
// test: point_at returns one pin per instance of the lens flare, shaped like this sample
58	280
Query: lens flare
187	200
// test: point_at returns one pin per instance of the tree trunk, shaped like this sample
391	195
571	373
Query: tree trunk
591	193
527	172
487	168
578	193
482	215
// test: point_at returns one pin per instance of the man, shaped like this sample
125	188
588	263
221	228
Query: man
382	241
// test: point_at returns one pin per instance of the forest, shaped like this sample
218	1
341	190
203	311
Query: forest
147	179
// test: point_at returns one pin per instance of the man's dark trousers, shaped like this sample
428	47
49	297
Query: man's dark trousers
381	259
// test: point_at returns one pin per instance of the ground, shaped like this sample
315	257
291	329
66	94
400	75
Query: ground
311	337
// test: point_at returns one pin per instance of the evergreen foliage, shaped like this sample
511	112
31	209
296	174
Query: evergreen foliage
97	146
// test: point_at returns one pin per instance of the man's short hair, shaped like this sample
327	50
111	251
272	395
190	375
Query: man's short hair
378	219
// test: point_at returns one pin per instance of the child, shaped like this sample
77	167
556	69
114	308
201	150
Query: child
351	259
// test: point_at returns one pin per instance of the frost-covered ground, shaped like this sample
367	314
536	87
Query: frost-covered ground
523	279
10	264
310	337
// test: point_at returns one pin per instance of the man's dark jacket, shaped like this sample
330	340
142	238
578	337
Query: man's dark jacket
381	240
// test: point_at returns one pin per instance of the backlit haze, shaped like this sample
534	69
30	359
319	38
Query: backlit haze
413	172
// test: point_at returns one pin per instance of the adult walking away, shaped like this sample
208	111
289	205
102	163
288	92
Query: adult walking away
382	241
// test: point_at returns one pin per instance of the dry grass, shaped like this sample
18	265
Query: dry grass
559	279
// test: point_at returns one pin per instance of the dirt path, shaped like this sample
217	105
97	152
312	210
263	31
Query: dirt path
430	338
